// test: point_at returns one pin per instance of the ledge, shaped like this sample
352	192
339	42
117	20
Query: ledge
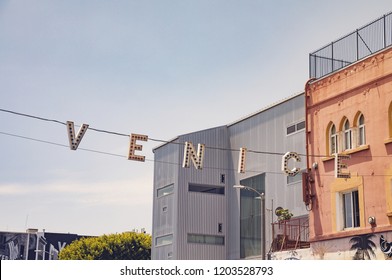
387	141
349	152
327	158
389	214
350	233
356	150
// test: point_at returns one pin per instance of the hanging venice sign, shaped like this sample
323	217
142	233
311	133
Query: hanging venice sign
197	156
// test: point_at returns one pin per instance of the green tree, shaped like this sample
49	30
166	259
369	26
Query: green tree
364	246
123	246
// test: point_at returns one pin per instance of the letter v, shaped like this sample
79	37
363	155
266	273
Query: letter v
74	142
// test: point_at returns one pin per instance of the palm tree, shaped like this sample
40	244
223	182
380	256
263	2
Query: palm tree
364	246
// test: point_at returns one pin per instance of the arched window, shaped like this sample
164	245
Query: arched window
333	140
347	134
361	130
390	120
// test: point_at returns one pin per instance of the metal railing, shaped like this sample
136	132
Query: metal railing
290	235
359	44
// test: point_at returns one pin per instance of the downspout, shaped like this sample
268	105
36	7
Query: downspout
306	122
307	177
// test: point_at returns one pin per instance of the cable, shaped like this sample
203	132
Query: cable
33	139
171	142
165	162
31	116
58	144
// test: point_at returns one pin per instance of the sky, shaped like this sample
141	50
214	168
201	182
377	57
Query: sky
160	68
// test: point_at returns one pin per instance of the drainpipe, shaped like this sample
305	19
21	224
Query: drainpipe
306	122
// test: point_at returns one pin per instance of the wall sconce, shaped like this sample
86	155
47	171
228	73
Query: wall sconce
372	220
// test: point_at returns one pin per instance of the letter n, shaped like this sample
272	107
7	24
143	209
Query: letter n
190	154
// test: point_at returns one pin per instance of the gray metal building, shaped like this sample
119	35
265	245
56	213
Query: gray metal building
197	214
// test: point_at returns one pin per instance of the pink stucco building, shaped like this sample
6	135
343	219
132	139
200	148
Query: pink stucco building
349	113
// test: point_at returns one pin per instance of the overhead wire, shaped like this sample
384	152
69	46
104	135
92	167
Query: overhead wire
171	142
166	162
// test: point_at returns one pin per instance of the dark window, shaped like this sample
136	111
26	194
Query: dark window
301	125
206	239
206	189
291	129
295	127
222	178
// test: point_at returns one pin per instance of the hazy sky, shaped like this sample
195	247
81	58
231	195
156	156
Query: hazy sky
156	67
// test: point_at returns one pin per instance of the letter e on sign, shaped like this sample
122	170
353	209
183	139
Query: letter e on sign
135	147
340	165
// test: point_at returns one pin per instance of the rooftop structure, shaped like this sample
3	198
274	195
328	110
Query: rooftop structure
355	46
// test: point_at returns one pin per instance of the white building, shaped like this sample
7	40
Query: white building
197	214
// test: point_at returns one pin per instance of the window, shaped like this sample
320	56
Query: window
351	209
390	120
295	127
347	135
361	131
206	239
222	178
290	129
250	217
206	189
300	125
165	190
164	240
333	140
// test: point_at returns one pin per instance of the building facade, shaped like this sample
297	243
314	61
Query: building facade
349	148
197	214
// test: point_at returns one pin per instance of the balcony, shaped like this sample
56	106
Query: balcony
290	235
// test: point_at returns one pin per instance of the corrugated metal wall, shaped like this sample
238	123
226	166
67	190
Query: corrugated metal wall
200	213
164	222
266	132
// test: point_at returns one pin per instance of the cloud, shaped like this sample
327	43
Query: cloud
122	192
13	189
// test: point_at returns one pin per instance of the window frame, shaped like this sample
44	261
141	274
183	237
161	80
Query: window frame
206	239
350	209
361	130
295	127
333	140
206	189
169	187
347	136
167	237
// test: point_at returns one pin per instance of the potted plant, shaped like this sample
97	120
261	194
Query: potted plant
283	214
